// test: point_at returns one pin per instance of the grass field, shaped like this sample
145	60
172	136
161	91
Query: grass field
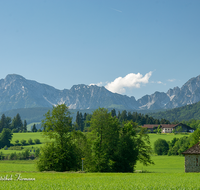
110	181
26	136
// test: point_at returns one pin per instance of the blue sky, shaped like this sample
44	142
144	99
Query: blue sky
132	47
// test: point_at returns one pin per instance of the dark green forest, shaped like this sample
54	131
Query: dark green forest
184	113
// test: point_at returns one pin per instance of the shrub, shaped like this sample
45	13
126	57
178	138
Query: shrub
12	156
161	147
25	154
37	152
23	142
15	148
30	141
37	141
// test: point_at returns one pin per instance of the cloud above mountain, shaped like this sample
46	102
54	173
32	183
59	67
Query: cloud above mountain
131	80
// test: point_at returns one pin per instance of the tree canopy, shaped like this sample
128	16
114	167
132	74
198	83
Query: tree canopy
107	146
59	154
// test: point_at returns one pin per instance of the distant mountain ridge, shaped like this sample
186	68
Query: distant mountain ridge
18	92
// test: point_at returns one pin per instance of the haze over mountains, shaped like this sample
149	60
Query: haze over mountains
18	92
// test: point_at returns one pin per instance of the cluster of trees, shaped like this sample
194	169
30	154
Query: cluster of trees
83	120
15	124
108	146
177	145
27	154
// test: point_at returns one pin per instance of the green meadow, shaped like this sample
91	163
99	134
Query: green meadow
159	176
167	136
167	173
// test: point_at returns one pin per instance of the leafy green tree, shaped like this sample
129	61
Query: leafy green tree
179	129
159	130
177	146
61	153
195	137
161	147
87	121
127	151
6	137
104	138
143	145
113	148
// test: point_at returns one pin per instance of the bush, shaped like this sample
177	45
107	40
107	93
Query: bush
15	148
161	147
37	141
16	142
13	156
25	154
23	142
30	141
37	152
1	156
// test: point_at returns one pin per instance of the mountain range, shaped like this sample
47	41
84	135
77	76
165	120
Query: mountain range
18	92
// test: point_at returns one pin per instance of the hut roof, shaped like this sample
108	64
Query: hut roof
193	150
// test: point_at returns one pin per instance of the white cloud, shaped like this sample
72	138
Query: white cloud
98	84
131	80
171	80
117	10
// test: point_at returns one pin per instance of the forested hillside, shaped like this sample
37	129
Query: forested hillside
184	113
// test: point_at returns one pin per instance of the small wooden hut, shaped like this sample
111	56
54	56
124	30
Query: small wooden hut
192	158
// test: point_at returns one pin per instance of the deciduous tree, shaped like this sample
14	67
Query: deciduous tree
61	153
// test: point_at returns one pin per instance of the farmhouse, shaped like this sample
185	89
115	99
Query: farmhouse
192	158
168	128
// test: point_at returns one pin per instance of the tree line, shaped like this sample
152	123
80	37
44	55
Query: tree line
108	145
82	121
15	124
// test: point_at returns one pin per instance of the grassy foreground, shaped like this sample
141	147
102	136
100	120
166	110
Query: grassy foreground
167	173
53	180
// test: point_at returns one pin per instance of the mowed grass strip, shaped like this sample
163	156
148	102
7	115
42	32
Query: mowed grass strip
53	180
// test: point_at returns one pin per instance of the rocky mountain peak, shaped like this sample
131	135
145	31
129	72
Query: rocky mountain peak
18	92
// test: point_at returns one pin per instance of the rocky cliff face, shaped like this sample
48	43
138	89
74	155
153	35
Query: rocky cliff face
189	93
18	92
